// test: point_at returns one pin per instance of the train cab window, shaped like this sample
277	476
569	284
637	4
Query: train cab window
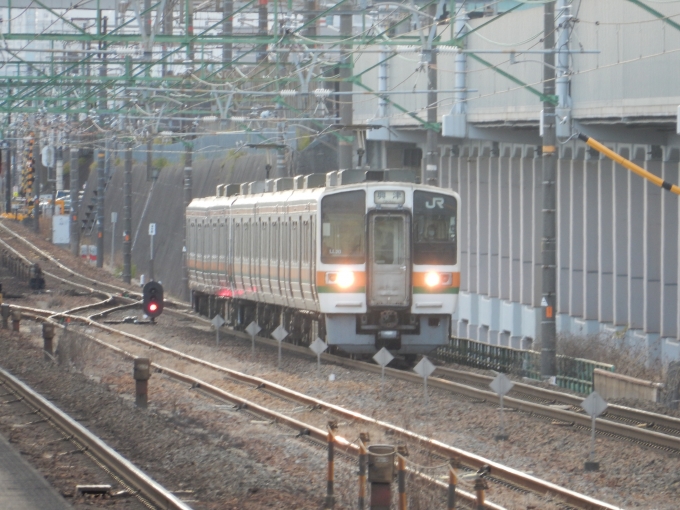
435	227
343	226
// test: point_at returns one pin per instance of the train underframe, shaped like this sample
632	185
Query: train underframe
398	331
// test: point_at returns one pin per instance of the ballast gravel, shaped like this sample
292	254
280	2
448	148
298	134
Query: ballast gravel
235	460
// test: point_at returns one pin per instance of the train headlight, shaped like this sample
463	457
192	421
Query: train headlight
345	278
432	279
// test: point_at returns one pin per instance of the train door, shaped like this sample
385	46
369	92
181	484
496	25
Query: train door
200	270
286	261
191	250
305	279
222	253
238	255
264	256
389	259
295	261
214	253
247	257
274	267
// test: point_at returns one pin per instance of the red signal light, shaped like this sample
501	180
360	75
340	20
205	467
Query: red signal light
152	307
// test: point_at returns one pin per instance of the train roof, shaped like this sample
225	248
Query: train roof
306	187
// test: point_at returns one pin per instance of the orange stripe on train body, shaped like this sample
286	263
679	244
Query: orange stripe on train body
359	278
419	278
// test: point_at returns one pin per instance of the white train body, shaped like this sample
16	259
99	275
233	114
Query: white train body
367	265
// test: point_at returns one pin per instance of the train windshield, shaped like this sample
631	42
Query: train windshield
434	228
343	226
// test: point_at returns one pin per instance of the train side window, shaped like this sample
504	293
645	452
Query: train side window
274	241
215	241
199	242
305	242
237	240
246	240
295	237
207	241
265	239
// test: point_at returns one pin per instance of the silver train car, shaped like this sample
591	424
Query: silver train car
361	264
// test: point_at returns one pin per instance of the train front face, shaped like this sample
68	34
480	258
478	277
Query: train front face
388	272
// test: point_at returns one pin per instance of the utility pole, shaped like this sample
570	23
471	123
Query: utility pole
188	171
227	28
263	29
345	109
127	215
432	153
36	186
74	184
549	241
8	175
101	170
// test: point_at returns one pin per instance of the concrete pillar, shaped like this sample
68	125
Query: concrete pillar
515	224
651	251
563	237
494	226
590	238
605	234
503	176
576	237
483	227
527	227
636	236
621	236
669	251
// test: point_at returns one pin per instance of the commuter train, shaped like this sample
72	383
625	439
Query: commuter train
361	259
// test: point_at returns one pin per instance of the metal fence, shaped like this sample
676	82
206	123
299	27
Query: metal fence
575	374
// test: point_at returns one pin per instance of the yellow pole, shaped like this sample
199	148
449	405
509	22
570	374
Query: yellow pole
629	165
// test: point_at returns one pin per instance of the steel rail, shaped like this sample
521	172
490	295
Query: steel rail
619	411
500	471
132	475
301	427
55	261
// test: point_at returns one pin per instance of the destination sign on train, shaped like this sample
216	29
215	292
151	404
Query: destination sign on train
390	197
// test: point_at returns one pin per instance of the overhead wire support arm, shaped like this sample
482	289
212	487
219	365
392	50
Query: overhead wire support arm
658	181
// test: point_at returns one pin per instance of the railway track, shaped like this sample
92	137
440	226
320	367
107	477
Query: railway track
507	477
149	493
468	390
653	422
